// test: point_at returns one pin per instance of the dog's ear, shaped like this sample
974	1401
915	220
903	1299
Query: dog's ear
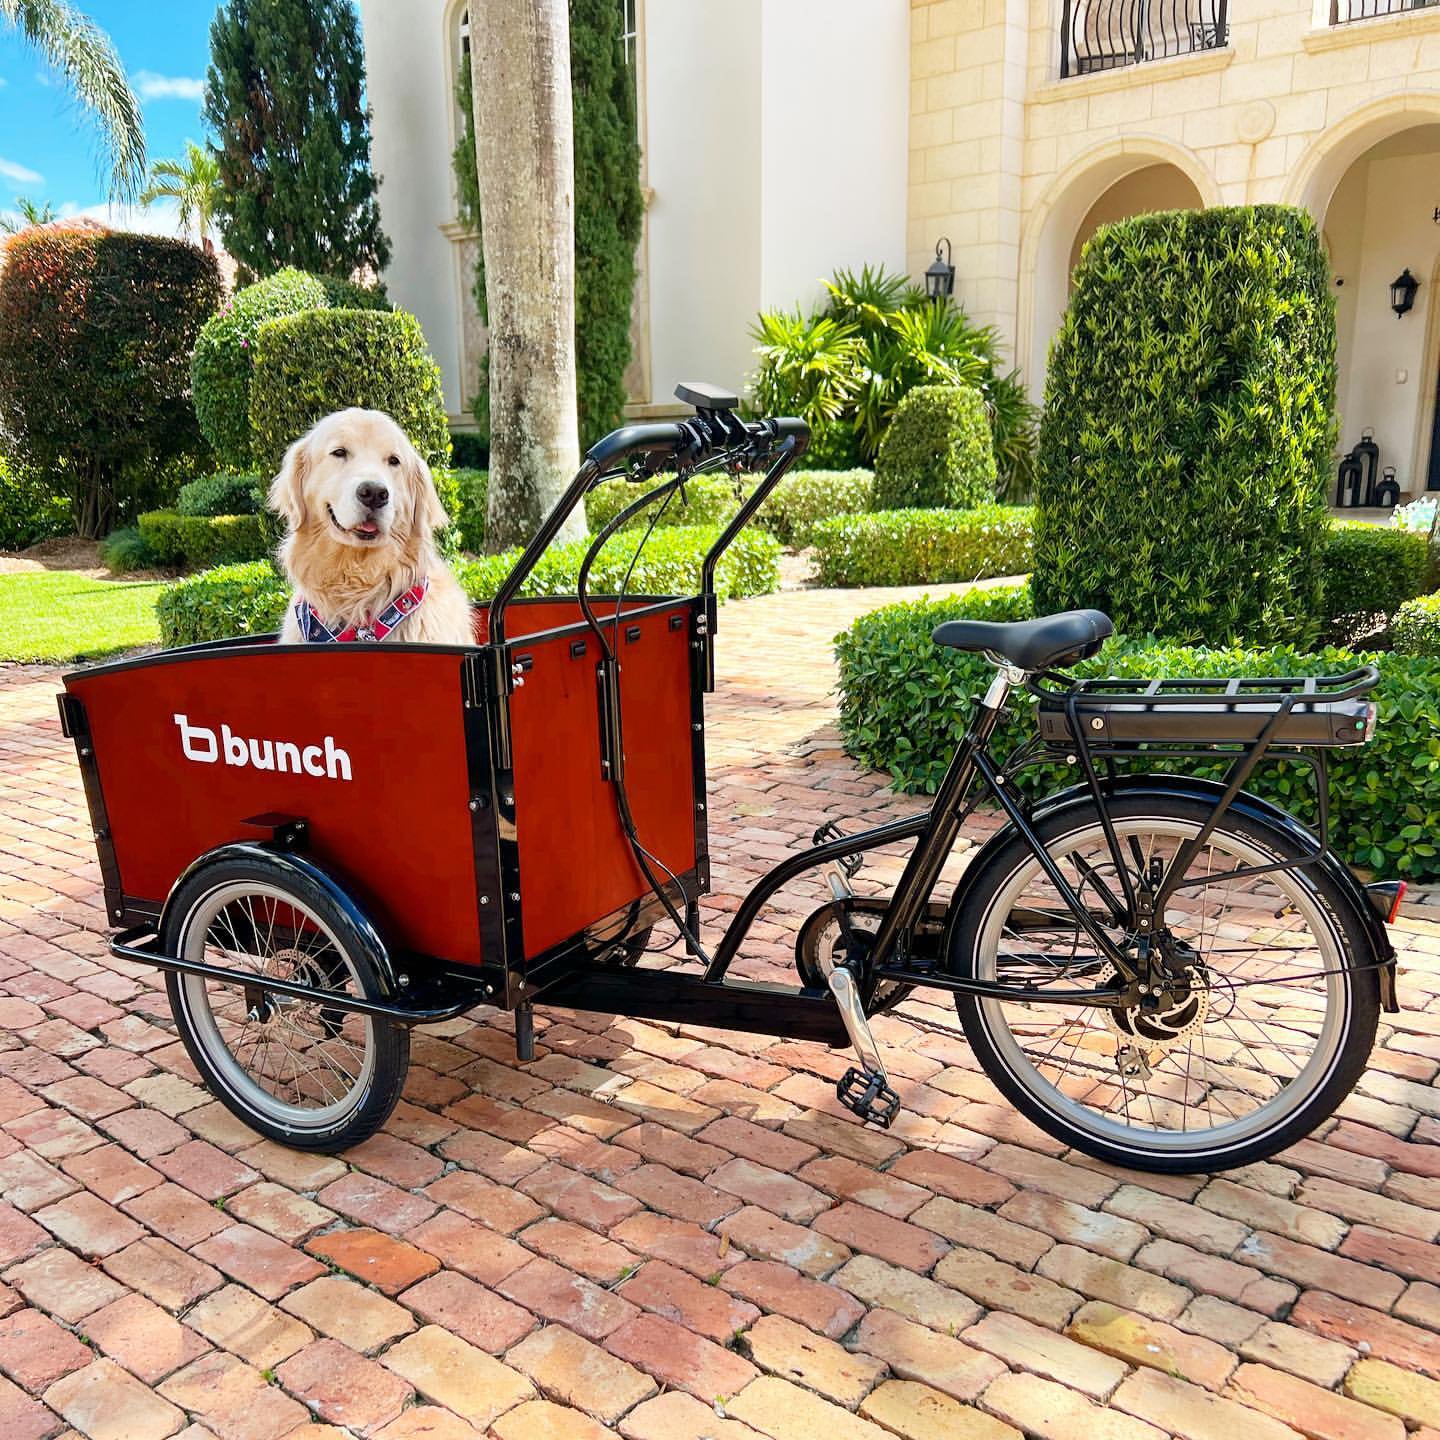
427	514
287	489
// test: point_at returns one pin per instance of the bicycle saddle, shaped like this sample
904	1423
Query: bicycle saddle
1050	640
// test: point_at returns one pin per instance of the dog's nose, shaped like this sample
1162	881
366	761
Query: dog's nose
371	496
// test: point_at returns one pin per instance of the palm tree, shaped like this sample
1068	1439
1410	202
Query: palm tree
27	213
194	182
85	56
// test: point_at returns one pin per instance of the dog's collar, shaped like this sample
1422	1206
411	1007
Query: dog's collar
314	630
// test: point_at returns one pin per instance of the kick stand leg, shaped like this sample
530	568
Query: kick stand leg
865	1091
692	924
525	1031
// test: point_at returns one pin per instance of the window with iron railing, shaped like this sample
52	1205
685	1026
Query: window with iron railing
1108	34
1344	11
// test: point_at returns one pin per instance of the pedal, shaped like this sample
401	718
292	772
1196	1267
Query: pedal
868	1096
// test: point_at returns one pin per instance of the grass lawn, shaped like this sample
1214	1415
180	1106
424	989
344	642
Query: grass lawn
57	615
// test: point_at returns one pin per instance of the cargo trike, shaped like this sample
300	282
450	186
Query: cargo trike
325	845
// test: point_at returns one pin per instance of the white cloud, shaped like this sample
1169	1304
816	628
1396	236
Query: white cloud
20	174
150	86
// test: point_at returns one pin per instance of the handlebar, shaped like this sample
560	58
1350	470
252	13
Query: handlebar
709	435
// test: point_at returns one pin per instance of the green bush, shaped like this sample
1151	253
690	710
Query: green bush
1415	630
469	450
218	604
191	542
937	453
123	551
1370	571
801	499
1185	449
309	364
472	493
805	497
221	367
341	294
96	330
923	547
707	500
31	510
224	493
246	599
904	702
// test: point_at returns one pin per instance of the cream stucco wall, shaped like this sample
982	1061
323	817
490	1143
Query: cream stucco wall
409	61
776	142
1280	114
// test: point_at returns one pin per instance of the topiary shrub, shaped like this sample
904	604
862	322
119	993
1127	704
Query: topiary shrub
904	703
805	497
1370	571
248	599
226	492
309	364
191	542
96	329
224	357
342	294
1188	429
1415	630
923	547
937	452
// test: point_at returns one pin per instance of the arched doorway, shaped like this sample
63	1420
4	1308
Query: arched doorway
1120	179
1379	220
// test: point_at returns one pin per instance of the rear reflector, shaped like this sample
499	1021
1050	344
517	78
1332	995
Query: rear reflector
1385	896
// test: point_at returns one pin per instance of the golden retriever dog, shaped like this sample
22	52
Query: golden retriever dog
359	549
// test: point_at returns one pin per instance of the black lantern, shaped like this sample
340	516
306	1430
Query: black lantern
940	277
1402	292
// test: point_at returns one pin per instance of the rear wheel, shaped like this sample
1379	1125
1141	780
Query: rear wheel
1261	1027
301	1072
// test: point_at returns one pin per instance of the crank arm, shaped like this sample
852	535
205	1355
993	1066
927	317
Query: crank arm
852	1012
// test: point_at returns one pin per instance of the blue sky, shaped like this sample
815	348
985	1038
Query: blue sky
48	146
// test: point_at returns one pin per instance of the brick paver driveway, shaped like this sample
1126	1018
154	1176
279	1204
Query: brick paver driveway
652	1225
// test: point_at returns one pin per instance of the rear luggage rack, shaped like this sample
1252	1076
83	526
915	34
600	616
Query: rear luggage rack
1301	711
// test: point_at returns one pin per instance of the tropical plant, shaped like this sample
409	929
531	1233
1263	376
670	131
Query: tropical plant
27	213
846	366
1189	427
96	329
194	183
285	94
83	53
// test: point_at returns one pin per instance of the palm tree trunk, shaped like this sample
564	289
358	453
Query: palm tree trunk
525	163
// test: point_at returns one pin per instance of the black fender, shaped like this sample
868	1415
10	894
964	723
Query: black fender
280	866
1165	787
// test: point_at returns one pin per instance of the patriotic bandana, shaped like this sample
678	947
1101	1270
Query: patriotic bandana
314	630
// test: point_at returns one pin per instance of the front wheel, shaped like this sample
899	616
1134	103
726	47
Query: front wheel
1262	1027
299	1071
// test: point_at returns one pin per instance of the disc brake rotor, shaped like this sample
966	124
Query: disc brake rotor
1181	1012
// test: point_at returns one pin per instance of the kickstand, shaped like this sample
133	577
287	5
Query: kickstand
525	1031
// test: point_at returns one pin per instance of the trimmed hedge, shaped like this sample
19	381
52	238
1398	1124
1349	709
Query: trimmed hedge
1369	572
1186	444
937	452
224	493
1415	630
246	599
806	497
904	702
191	542
309	364
923	547
472	491
221	366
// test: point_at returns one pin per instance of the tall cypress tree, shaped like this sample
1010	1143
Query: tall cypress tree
285	95
609	212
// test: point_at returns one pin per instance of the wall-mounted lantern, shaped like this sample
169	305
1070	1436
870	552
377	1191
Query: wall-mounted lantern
940	277
1402	292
